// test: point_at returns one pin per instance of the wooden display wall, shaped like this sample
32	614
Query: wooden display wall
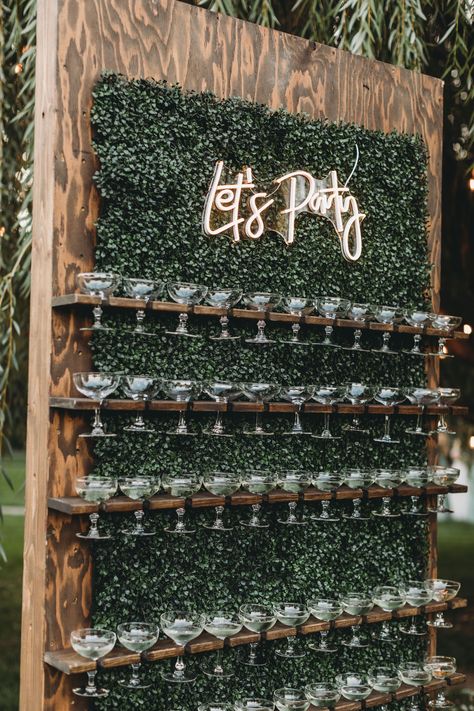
202	51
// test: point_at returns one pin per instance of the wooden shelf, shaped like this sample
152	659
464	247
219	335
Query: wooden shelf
83	403
67	300
75	506
69	662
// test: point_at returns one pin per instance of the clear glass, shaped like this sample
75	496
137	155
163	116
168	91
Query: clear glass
181	391
140	388
421	397
443	591
414	674
384	679
389	397
361	313
253	704
295	482
388	315
261	301
290	699
387	479
326	609
258	482
328	395
443	476
327	482
221	624
142	290
92	644
187	295
388	598
357	603
358	394
256	618
331	307
216	706
291	614
224	298
259	393
441	669
419	319
417	593
357	479
297	395
354	686
181	485
222	392
447	397
418	477
220	484
182	626
96	490
297	306
137	637
445	323
322	694
97	386
139	488
101	284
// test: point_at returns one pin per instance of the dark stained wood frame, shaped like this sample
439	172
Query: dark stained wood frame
200	50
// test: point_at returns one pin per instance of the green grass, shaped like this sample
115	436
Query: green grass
15	469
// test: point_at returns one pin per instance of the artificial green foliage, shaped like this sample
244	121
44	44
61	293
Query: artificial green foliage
157	148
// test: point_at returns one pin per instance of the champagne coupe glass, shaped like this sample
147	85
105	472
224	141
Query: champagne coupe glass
417	593
223	298
322	694
443	591
414	674
357	479
388	315
258	482
291	614
443	476
353	686
421	397
187	295
139	488
101	284
254	704
331	307
139	388
221	391
92	644
184	484
182	626
216	706
221	624
143	290
261	301
419	477
356	603
328	482
137	637
441	668
388	598
295	482
326	609
95	489
358	394
297	306
181	391
259	393
386	680
420	319
290	699
387	479
97	386
256	618
328	395
445	323
220	484
297	395
389	397
447	397
360	313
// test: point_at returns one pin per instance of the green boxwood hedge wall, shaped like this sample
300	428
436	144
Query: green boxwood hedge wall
157	147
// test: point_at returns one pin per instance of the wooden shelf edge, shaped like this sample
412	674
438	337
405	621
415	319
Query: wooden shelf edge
68	662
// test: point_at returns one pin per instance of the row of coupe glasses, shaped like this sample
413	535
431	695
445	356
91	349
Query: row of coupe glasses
104	284
99	489
99	386
183	626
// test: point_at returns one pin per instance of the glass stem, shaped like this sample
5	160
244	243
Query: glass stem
258	421
292	512
135	673
224	321
253	652
296	332
255	518
325	509
357	336
328	330
442	426
297	422
290	646
219	669
327	431
356	503
386	506
355	635
387	427
180	666
91	687
139	328
182	426
219	523
93	530
139	515
218	426
97	313
97	423
324	639
180	524
261	330
416	343
182	323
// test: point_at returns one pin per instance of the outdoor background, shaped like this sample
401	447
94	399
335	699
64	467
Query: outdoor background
431	36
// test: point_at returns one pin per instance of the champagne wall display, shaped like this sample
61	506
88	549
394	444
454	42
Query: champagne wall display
136	102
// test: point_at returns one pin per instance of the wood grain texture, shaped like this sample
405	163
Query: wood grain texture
200	50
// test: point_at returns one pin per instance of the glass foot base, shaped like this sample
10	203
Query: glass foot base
413	632
446	432
355	645
186	335
324	519
148	334
224	338
355	430
324	436
96	694
143	430
385	515
183	677
177	433
420	354
305	344
98	537
180	531
96	435
260	341
210	433
418	433
388	640
440	355
384	440
350	517
421	514
93	329
218	673
441	510
257	662
285	522
385	351
258	433
290	655
249	524
295	433
127	684
212	527
327	345
440	625
435	704
324	650
137	533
